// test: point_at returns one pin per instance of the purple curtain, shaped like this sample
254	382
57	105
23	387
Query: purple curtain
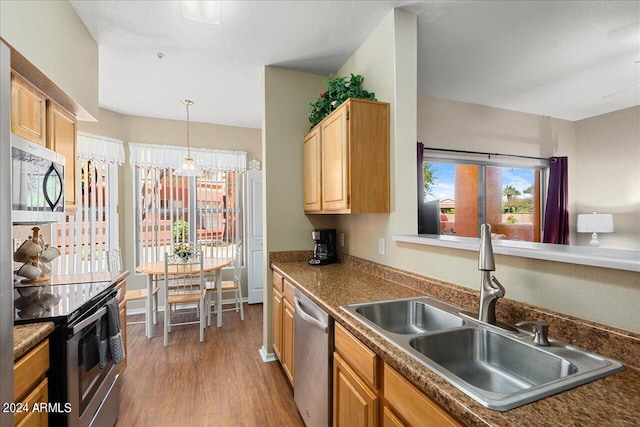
420	159
556	216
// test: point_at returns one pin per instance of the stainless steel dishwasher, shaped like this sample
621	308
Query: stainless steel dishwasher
312	362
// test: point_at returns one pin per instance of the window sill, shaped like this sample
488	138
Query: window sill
618	259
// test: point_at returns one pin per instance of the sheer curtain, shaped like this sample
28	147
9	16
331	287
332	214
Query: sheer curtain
556	217
92	229
207	210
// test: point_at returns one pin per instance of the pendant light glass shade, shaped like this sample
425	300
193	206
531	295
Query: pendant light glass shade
188	167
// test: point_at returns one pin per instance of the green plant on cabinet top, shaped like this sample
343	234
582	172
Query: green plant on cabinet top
339	89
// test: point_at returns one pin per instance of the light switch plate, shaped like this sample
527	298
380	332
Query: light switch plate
342	239
381	246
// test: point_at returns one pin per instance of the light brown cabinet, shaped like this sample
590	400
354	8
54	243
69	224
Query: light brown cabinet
356	381
61	138
369	393
353	171
38	119
28	111
276	314
288	334
283	323
312	172
355	404
405	405
30	385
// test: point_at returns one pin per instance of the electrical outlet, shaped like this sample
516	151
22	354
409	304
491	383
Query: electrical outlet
381	246
16	244
341	239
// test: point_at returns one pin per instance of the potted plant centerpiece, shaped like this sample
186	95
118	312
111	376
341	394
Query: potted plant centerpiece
184	251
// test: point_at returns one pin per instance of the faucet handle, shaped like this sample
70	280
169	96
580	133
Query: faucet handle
500	289
541	331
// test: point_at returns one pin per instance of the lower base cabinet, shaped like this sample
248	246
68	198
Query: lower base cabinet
369	393
405	405
356	382
283	323
30	386
354	403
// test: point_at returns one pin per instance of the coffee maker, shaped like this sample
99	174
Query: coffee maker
324	251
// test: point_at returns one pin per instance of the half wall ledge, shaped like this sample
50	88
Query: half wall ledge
618	259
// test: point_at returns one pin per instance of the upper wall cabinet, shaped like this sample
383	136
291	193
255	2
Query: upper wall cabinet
28	117
346	160
61	138
37	118
311	158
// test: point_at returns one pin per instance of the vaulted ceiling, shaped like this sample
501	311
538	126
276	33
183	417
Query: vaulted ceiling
564	59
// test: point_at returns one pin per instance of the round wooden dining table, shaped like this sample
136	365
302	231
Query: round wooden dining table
155	272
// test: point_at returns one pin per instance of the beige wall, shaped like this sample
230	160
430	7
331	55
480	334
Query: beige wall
166	132
51	36
608	175
597	294
388	61
285	122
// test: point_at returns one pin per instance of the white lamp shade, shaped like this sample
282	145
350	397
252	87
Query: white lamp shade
188	168
595	223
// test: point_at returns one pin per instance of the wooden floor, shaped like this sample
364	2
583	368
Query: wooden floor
220	382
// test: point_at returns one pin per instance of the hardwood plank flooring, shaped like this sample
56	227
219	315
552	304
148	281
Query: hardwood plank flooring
220	382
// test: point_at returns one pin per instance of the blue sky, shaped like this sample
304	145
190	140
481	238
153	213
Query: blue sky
444	187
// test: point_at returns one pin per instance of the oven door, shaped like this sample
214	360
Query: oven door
93	391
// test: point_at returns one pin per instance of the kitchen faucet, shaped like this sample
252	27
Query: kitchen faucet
490	289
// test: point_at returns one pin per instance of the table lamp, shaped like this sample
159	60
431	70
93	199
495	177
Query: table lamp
595	223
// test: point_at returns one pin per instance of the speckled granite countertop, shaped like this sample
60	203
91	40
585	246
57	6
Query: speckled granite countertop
25	337
611	401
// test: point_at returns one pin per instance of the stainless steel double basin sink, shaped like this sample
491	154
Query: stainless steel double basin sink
498	368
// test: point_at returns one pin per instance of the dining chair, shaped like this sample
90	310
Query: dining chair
229	286
183	285
114	259
114	263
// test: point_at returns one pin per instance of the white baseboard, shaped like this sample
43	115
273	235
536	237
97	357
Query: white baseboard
267	357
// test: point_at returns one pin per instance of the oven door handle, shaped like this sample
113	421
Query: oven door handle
89	320
93	318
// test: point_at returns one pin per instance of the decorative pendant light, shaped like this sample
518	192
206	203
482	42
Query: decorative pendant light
188	167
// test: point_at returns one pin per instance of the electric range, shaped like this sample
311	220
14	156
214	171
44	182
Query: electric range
83	390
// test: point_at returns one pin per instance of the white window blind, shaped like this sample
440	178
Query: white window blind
206	211
92	229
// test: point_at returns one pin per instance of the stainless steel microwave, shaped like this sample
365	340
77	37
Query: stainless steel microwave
37	183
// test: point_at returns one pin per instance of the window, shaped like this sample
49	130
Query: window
92	228
460	195
206	211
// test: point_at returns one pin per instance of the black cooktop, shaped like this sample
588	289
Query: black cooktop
62	302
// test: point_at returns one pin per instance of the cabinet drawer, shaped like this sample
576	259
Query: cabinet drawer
364	361
289	291
278	282
29	370
411	404
34	418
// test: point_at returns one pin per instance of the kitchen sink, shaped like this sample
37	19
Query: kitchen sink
408	316
498	368
490	361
